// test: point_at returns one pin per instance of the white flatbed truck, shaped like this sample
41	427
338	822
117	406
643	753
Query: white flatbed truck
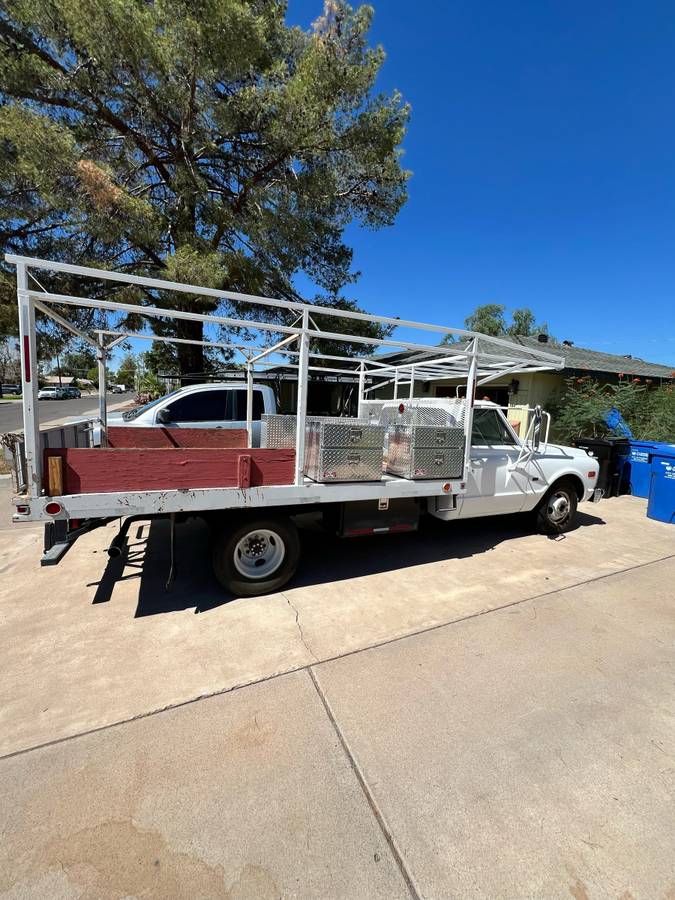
256	545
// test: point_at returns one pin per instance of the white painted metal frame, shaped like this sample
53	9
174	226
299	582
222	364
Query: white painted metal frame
424	362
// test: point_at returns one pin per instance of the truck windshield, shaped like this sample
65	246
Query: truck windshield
132	414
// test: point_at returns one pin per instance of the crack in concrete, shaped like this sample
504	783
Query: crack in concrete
219	692
296	613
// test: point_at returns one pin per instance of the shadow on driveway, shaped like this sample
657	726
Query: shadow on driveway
325	558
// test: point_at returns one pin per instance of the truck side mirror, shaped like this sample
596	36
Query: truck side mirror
536	431
163	416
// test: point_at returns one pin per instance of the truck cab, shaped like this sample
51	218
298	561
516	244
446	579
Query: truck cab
218	405
509	474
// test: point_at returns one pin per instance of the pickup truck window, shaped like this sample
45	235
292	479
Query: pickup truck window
235	408
488	428
204	406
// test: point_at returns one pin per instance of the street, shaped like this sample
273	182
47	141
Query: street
53	410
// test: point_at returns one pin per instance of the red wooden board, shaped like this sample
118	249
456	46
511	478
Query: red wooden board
176	437
98	470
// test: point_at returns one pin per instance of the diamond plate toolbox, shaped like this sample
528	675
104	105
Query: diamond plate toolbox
344	464
277	431
432	412
426	462
343	450
423	451
415	436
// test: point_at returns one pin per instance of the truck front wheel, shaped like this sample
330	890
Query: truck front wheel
557	512
257	556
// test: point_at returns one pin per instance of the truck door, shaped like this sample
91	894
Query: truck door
493	487
235	411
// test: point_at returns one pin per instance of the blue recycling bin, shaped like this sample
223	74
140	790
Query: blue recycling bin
638	467
661	505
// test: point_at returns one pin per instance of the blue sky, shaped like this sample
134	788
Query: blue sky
542	145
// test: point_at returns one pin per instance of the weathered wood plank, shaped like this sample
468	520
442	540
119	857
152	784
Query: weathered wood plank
244	470
121	437
106	470
54	476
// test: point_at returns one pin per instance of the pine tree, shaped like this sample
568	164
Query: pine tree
201	141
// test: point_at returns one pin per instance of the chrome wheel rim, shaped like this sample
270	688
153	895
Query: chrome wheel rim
259	553
558	507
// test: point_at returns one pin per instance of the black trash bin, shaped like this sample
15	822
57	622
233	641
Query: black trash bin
611	454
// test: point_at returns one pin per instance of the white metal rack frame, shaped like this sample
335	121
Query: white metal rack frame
476	360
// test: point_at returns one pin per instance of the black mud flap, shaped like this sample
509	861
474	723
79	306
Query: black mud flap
56	542
59	539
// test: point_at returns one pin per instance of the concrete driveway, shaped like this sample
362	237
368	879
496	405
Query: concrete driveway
472	711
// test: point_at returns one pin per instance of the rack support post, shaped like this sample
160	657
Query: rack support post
101	355
468	413
362	384
29	384
303	373
249	403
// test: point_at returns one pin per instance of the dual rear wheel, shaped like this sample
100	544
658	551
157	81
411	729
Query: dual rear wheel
257	556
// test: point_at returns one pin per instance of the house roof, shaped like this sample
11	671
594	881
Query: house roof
577	359
583	359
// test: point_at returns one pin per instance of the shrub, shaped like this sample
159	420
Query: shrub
648	410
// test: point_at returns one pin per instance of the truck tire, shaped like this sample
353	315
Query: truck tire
557	512
257	555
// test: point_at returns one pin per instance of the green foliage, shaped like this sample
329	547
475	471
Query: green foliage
487	319
490	319
524	323
161	359
649	410
201	141
92	375
78	361
126	374
151	387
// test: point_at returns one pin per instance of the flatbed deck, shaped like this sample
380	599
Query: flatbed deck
133	503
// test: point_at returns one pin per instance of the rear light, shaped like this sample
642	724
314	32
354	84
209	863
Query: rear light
23	509
53	509
447	488
401	407
26	357
592	474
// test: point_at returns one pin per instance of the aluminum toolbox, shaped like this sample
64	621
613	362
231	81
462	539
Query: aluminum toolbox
343	450
434	411
346	433
277	432
415	436
425	451
424	462
344	464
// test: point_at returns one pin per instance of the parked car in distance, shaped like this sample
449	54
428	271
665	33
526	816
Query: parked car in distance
53	392
118	389
218	405
11	389
72	392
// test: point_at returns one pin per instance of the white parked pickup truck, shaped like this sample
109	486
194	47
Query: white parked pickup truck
218	405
